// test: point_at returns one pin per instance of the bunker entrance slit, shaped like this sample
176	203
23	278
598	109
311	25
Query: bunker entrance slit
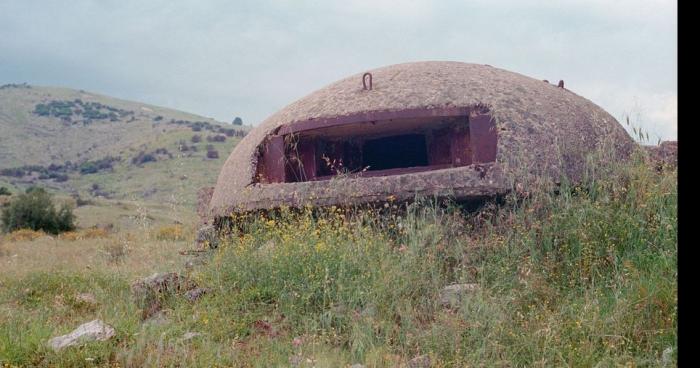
379	147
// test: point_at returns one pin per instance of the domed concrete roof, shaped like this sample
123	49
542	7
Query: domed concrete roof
539	126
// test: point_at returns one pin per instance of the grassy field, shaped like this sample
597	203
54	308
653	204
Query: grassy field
578	276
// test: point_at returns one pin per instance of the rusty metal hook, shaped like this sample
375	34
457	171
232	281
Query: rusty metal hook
364	81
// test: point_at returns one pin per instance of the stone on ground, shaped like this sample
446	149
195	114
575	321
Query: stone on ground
92	331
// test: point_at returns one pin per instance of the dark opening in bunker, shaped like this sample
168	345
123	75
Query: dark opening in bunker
395	152
377	145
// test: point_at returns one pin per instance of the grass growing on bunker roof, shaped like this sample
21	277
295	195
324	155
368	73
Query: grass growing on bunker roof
579	278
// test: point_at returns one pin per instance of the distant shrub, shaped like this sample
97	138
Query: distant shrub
183	147
59	178
4	191
216	138
212	153
142	158
237	121
196	138
91	167
88	168
80	202
35	210
16	172
228	132
158	118
88	111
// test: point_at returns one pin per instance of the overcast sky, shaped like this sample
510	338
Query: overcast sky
250	58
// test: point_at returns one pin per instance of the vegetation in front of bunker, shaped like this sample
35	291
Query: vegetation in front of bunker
582	276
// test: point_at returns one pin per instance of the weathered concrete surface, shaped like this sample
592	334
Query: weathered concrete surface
542	129
92	331
665	155
461	182
203	198
150	292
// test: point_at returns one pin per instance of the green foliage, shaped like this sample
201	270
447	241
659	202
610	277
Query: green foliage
35	210
91	167
581	276
4	191
89	111
237	121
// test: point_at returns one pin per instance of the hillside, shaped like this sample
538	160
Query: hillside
87	144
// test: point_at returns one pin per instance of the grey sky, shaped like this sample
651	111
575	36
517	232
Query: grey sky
249	58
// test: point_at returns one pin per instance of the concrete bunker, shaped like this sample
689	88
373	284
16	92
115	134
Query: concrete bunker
439	129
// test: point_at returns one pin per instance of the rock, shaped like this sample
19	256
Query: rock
667	356
158	283
150	292
207	236
190	335
85	300
451	296
196	261
421	361
92	331
196	293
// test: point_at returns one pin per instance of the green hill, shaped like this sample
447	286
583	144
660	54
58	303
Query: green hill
82	143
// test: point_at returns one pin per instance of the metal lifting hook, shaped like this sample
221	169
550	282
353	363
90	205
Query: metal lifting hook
364	81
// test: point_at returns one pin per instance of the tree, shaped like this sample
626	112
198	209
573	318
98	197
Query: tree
237	121
35	210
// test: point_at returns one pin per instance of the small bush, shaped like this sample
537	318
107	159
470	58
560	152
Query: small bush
196	138
142	158
216	138
35	210
212	153
4	191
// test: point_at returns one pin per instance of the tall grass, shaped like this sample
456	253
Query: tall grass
579	275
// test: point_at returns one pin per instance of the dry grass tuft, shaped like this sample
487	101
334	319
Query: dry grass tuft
171	232
24	235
